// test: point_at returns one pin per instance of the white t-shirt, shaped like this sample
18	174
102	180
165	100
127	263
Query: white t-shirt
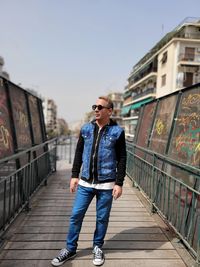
102	186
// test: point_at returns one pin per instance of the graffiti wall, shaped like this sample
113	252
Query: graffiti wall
6	138
162	124
171	126
20	119
174	130
185	144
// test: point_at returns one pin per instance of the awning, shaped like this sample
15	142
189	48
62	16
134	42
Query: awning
125	110
140	103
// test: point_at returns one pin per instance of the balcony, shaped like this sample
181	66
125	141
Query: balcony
188	35
151	75
185	79
141	75
145	93
189	58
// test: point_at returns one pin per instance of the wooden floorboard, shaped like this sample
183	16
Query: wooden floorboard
133	238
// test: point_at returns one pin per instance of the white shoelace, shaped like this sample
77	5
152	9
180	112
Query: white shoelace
63	253
98	253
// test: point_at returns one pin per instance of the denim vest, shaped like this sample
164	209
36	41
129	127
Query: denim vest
106	155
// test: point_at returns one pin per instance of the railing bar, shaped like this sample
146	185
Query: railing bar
9	197
14	196
183	229
192	218
169	200
179	207
4	205
164	192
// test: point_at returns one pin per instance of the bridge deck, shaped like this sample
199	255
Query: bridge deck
134	237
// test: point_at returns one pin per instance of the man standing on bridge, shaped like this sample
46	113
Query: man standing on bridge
101	151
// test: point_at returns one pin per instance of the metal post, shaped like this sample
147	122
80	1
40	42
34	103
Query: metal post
70	149
198	244
153	197
55	158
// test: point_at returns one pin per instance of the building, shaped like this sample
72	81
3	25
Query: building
50	117
117	99
172	64
3	73
63	128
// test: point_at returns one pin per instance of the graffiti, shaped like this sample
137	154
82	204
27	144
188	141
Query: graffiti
191	99
3	107
191	118
35	118
16	111
4	137
197	148
23	139
23	121
6	145
160	127
20	116
148	115
187	143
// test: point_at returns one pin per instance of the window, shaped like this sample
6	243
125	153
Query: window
164	58
189	53
163	80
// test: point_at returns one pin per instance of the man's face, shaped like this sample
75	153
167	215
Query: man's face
102	112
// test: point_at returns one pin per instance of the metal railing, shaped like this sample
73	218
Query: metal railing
29	169
66	148
23	173
189	57
174	198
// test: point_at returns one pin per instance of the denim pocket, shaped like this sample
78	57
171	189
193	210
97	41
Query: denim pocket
109	140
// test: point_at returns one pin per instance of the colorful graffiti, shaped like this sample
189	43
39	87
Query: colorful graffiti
186	137
191	99
187	144
160	127
162	124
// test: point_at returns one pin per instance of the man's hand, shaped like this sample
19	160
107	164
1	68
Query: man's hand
73	184
117	191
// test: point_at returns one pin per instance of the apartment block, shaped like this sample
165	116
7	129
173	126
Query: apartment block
172	64
50	116
117	99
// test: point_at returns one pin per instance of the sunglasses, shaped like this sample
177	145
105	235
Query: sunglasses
99	107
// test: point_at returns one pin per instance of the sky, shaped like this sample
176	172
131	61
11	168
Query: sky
73	51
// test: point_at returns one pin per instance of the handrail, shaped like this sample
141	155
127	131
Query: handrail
166	158
19	154
18	186
175	199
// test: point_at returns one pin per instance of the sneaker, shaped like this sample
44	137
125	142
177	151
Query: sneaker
63	256
98	258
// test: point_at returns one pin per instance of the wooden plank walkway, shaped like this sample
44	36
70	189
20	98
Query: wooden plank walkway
134	238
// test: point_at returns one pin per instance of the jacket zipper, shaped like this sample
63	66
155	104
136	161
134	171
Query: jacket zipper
95	152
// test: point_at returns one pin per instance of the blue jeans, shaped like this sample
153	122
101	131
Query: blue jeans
84	196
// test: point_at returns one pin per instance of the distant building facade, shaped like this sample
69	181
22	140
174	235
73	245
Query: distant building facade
50	117
3	73
62	127
117	99
172	64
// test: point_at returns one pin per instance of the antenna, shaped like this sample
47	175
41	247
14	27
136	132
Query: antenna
162	29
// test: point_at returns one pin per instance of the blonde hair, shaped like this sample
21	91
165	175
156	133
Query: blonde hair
108	100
